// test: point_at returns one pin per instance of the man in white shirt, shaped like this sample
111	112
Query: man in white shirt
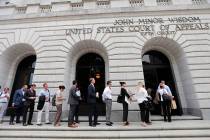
107	98
45	92
165	104
166	87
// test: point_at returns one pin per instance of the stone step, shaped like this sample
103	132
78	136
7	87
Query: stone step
103	118
185	129
153	118
134	126
203	138
107	134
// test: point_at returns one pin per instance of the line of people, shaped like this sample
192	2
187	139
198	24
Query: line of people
24	102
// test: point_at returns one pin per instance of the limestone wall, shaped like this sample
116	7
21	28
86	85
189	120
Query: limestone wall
58	40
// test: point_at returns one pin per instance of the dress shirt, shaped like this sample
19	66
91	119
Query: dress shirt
107	94
161	92
166	88
45	93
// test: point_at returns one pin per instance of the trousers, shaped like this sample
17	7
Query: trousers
46	108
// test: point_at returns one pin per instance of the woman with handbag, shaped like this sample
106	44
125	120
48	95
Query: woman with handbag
165	98
142	99
59	101
126	98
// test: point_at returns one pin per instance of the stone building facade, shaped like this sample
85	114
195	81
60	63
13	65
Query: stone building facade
120	32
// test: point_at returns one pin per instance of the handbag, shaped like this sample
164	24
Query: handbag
120	98
173	104
167	97
54	100
41	102
148	105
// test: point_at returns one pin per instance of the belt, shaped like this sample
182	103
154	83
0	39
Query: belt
108	99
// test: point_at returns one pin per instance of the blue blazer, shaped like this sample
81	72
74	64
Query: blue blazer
91	94
18	98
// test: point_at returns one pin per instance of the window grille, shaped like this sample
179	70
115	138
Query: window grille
76	6
21	10
163	2
136	3
198	2
46	9
103	4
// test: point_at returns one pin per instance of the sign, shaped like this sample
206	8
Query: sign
146	26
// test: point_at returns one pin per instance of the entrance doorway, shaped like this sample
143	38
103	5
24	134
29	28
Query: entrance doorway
24	74
156	67
90	65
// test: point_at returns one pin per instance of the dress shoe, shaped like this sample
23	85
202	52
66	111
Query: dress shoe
18	121
111	122
24	124
108	124
97	123
48	123
72	126
30	124
149	123
126	123
39	124
93	125
11	123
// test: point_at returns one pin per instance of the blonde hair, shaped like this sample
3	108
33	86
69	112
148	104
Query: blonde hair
140	84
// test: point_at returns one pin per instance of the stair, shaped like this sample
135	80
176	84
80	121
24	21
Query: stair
152	117
159	130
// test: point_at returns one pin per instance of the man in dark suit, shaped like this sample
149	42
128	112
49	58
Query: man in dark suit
29	96
91	99
74	102
17	103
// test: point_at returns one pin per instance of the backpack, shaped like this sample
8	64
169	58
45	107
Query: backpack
54	100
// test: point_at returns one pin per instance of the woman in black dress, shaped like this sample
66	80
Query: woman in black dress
124	94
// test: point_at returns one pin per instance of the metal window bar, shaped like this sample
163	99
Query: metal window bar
136	3
103	4
45	9
21	10
163	2
76	6
199	2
